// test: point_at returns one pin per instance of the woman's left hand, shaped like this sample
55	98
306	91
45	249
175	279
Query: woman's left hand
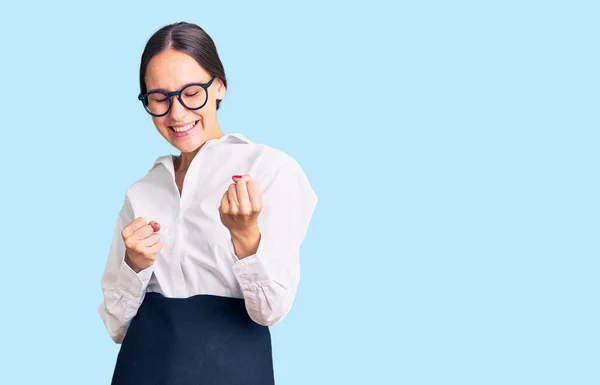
239	210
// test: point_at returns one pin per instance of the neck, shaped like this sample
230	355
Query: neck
183	161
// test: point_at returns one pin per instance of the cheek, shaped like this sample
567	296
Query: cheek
200	115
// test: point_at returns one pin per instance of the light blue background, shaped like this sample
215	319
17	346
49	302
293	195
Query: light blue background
453	146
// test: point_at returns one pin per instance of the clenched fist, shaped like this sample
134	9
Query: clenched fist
142	242
240	206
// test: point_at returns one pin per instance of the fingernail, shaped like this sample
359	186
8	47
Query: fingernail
237	177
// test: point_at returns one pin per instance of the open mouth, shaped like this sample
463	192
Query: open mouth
183	130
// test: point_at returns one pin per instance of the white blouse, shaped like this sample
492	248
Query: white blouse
198	255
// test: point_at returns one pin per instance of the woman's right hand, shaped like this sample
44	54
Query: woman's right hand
142	242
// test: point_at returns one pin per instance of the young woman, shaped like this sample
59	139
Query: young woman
205	255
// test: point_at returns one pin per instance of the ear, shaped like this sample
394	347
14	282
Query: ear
221	89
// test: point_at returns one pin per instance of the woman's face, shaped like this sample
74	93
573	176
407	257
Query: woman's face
185	129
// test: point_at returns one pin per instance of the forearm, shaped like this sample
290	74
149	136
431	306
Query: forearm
117	310
123	292
268	274
268	287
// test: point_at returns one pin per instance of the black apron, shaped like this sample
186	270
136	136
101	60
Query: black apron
201	340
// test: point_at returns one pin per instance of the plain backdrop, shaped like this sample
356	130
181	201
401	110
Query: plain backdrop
453	147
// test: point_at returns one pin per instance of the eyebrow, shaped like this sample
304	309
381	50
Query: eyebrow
166	92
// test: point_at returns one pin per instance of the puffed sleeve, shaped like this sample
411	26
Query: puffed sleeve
269	279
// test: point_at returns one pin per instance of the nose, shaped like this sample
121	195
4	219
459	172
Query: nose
177	111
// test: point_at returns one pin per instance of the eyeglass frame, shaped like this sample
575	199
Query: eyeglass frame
144	97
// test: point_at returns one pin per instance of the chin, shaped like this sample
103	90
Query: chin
189	146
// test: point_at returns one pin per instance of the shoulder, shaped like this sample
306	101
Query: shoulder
278	172
271	158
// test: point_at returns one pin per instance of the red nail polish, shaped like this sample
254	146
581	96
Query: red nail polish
237	177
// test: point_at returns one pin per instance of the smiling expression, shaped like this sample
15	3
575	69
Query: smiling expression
185	129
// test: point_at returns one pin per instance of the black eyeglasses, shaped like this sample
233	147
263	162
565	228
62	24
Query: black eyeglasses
192	96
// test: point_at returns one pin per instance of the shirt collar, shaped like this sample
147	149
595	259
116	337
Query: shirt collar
167	160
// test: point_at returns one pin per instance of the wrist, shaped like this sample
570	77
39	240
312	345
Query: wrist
136	269
245	242
250	232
